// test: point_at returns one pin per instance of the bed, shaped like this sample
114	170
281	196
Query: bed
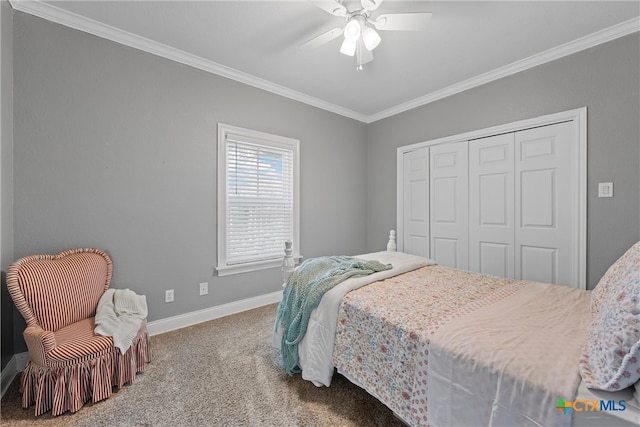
441	346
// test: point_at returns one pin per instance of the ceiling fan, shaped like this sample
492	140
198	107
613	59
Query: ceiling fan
360	37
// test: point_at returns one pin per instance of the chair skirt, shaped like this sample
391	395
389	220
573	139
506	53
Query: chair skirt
67	386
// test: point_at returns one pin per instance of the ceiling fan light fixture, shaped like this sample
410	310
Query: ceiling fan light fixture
352	30
370	37
360	31
348	47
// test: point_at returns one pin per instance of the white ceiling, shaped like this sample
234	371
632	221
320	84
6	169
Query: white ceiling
467	43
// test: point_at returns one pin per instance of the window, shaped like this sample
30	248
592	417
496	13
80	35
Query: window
257	199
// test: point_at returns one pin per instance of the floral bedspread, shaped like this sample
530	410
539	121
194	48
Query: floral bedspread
383	331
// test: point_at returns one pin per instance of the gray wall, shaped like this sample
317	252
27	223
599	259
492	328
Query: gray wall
605	78
6	176
116	149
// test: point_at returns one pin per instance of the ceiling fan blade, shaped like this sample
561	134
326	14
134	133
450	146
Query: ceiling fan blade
370	4
322	38
402	21
330	6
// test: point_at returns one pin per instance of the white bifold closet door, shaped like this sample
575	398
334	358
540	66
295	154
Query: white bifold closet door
448	204
415	202
491	205
545	204
502	205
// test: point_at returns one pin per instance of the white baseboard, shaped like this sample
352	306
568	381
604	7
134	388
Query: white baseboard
8	374
183	320
19	360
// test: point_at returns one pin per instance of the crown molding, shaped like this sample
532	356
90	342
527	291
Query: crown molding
54	14
591	40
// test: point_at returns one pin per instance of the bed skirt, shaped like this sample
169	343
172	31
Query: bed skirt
68	388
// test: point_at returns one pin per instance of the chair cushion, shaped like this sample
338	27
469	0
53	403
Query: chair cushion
78	342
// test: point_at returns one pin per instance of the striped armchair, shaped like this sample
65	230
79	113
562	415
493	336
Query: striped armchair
69	363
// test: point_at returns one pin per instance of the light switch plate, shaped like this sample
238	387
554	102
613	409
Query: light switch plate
605	189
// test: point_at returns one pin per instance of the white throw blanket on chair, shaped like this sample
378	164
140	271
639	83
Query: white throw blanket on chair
119	315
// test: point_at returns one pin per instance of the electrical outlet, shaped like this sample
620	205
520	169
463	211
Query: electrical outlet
168	295
204	288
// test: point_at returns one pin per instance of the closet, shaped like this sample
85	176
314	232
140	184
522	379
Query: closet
506	203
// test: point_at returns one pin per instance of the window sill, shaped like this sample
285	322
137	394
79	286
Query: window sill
229	270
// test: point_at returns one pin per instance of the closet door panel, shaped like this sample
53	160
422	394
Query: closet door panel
495	259
415	202
449	216
539	264
491	199
544	204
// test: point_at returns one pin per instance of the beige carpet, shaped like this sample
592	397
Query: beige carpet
219	373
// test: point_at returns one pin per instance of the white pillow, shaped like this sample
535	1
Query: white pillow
613	275
611	356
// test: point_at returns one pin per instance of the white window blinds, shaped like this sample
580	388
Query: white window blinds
260	207
259	200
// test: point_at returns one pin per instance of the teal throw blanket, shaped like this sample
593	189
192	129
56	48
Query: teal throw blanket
303	293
